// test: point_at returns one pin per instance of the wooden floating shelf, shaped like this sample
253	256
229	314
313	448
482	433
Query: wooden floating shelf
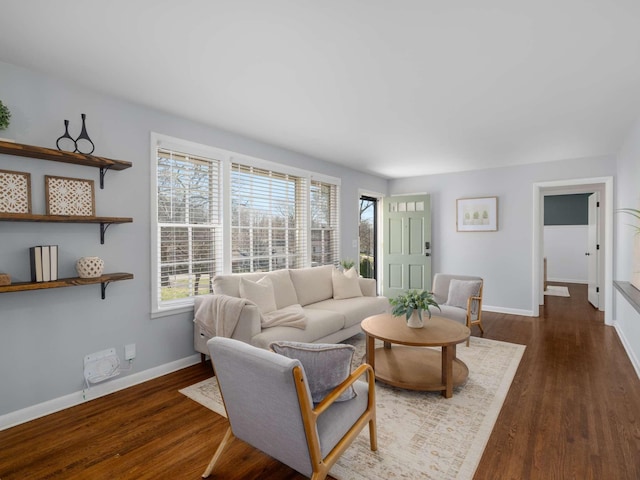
29	217
104	280
43	153
49	154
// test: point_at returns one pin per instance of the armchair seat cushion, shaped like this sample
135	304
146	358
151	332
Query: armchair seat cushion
453	313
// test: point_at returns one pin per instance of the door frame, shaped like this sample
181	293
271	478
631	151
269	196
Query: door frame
578	185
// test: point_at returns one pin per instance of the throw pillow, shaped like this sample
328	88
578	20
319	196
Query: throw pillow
261	293
325	365
461	290
345	285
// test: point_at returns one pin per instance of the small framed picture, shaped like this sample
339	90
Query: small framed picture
15	192
477	214
69	196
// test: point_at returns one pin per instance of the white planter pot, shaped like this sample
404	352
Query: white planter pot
416	320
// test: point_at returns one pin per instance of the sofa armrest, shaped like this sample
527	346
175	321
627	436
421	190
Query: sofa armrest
249	324
368	287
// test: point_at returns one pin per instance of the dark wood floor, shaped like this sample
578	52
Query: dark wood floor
573	412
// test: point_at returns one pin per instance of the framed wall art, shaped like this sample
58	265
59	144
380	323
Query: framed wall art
15	192
477	214
69	196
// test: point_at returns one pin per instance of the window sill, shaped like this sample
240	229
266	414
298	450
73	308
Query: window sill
170	311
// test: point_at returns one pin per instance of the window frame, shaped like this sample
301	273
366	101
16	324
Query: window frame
227	159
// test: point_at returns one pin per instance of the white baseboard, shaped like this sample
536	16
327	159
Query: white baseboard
508	311
568	280
628	349
120	383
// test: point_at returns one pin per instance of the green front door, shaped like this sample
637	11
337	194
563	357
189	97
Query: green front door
406	244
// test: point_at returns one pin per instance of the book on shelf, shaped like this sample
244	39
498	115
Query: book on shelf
53	257
35	256
44	263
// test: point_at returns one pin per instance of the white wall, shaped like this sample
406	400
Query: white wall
564	249
504	258
626	318
45	334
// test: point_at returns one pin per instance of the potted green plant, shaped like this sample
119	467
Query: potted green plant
412	304
347	263
5	116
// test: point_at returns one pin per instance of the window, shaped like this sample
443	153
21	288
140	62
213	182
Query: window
218	212
325	238
268	220
189	227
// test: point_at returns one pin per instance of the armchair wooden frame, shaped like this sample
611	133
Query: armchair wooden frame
470	304
321	466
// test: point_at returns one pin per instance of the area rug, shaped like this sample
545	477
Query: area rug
557	291
422	435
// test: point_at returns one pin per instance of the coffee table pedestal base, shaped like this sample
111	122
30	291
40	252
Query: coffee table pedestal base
419	368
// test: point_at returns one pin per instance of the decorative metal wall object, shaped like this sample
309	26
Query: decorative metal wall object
82	144
69	196
65	142
15	192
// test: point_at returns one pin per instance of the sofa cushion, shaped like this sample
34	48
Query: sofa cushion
325	365
345	284
285	293
461	290
354	309
312	284
260	292
320	323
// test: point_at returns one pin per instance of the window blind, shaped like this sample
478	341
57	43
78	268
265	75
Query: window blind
325	215
189	225
268	220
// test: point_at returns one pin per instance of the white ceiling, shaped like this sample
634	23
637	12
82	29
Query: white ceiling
397	88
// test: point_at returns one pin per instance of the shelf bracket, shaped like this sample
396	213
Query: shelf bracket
103	230
103	288
103	172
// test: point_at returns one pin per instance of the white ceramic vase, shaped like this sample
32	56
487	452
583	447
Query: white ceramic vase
416	320
89	267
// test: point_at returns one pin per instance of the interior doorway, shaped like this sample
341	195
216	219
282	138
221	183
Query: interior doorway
603	185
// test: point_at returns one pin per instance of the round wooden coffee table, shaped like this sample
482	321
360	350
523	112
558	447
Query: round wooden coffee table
409	364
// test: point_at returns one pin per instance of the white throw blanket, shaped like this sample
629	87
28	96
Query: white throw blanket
291	316
218	315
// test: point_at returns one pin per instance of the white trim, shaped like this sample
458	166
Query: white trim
567	280
55	405
175	310
508	311
578	184
627	347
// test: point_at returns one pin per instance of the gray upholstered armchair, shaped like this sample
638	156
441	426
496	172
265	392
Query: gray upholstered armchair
269	405
460	298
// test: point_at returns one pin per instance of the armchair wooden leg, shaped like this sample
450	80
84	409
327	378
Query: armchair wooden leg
373	435
227	437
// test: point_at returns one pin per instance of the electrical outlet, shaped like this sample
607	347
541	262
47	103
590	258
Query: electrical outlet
130	351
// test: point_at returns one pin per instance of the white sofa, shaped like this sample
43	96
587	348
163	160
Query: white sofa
329	317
